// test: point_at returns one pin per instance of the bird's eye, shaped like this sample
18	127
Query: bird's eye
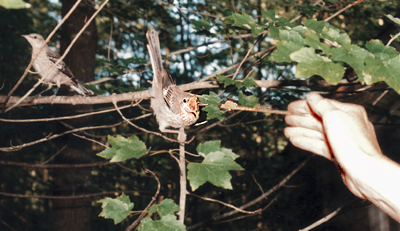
35	37
185	100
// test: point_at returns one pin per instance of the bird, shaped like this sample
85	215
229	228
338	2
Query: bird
172	106
50	73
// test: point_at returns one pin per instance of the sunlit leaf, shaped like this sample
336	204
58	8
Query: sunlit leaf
248	100
117	209
245	21
166	223
167	206
123	149
311	64
14	4
215	167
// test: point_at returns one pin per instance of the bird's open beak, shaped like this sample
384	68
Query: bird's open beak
193	103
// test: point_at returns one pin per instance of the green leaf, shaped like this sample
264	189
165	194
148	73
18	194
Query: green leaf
248	101
117	209
381	51
167	206
205	148
313	41
315	25
213	111
270	14
224	80
273	32
354	56
283	51
245	21
396	20
388	71
247	83
334	35
312	64
166	223
210	99
14	4
201	24
123	148
291	36
215	167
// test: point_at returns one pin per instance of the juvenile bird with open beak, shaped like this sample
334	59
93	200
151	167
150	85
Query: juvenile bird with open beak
172	106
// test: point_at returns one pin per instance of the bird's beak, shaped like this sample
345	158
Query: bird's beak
193	103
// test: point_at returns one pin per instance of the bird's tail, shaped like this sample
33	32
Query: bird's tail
161	79
81	89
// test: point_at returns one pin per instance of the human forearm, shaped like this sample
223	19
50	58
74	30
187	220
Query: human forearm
375	178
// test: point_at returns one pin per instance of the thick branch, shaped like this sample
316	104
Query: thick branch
141	95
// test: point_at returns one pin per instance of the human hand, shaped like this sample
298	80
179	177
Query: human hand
337	131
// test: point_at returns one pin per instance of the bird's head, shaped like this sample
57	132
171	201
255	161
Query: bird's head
36	40
190	104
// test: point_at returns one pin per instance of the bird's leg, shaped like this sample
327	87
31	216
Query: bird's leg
40	93
181	136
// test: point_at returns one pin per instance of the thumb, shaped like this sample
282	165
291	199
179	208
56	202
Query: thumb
319	105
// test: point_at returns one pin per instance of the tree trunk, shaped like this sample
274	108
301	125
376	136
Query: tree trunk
75	214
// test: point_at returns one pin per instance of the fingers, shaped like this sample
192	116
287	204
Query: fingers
311	141
305	121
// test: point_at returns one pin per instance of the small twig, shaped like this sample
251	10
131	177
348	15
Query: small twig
258	199
144	213
340	11
66	197
323	220
249	215
392	39
18	147
259	186
91	140
226	204
63	117
230	105
58	152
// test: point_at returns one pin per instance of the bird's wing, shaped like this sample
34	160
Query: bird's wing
54	57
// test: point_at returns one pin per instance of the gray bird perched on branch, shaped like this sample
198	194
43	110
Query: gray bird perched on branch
50	73
172	106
